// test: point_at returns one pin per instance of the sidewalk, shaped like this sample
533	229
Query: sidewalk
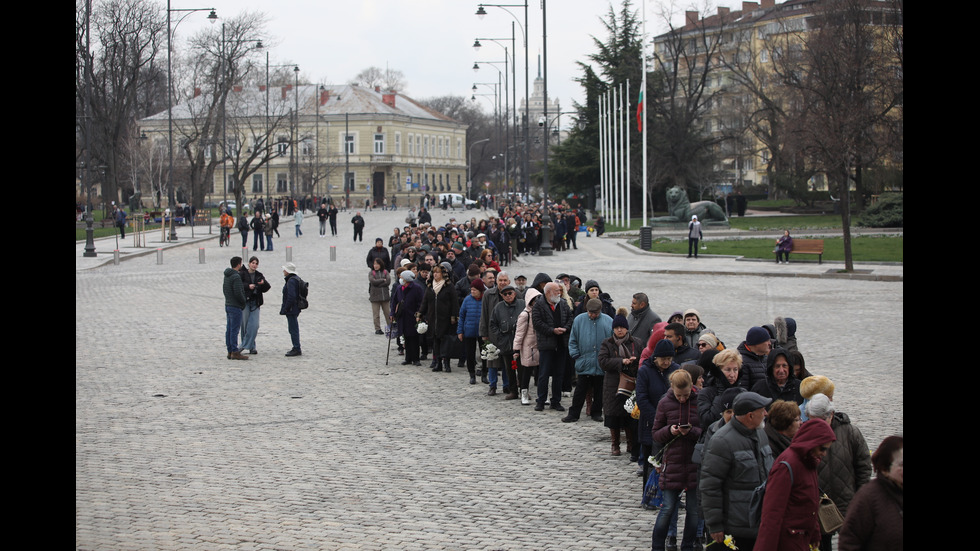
665	263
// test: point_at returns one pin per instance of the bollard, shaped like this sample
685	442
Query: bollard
289	253
646	238
200	256
333	253
115	256
159	256
244	252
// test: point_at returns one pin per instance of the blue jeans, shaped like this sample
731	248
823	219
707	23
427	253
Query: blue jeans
268	242
250	325
492	377
552	364
244	239
293	323
664	516
259	239
233	317
299	232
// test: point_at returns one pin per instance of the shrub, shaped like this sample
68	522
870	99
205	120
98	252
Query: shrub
886	213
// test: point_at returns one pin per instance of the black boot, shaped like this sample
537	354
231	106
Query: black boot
446	365
436	364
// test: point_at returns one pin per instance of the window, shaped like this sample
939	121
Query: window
418	145
459	148
282	182
379	144
349	143
230	184
306	147
282	145
256	183
398	143
411	145
425	146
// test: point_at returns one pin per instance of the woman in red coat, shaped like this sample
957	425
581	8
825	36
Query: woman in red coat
789	510
677	427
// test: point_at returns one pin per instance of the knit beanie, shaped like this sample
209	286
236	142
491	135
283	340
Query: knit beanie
756	335
663	349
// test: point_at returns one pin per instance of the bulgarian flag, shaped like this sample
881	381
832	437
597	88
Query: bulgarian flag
639	112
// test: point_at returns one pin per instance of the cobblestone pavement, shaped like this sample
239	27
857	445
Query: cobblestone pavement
178	448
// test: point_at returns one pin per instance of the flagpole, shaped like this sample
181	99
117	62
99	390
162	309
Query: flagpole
642	108
602	161
626	121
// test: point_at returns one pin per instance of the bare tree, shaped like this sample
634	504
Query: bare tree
768	108
849	80
218	60
127	38
252	139
680	95
386	79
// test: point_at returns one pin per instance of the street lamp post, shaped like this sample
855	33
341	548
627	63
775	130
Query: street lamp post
212	17
481	13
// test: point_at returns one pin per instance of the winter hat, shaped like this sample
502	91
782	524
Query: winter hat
590	284
478	284
756	335
620	321
664	349
728	397
692	311
289	267
816	384
709	339
594	305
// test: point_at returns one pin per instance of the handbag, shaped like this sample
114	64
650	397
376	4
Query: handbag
829	515
627	384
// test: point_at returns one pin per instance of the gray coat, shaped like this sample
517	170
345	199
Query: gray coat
503	323
378	286
737	460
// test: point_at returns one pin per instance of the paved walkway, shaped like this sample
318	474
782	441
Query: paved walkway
178	448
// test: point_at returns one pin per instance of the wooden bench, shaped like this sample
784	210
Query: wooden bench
809	246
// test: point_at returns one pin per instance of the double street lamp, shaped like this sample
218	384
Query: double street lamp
481	13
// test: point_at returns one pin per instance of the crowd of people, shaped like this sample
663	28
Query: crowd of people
696	429
742	436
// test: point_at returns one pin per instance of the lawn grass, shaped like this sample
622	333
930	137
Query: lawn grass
863	248
761	223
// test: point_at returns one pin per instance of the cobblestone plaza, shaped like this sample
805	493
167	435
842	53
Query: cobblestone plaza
178	448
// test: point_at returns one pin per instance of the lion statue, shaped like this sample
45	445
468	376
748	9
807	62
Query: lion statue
681	209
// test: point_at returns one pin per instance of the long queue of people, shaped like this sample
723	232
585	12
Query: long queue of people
691	410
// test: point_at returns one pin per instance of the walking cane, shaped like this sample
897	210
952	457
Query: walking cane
391	329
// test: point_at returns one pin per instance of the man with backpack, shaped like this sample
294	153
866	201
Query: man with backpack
294	293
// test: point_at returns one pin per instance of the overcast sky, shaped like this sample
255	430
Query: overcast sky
430	41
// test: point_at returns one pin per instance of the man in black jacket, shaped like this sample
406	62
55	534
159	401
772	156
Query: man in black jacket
234	293
552	319
358	222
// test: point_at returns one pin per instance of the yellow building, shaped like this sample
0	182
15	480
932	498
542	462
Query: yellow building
383	145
